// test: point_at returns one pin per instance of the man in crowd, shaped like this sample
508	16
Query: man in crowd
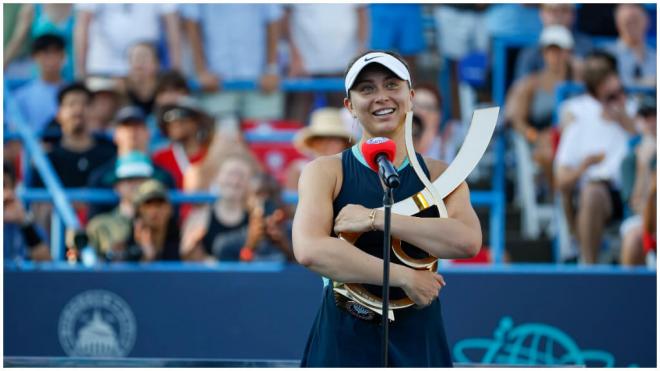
78	153
104	32
37	99
587	171
110	232
189	129
130	134
531	58
635	60
236	42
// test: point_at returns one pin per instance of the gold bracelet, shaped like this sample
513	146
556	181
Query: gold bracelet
372	217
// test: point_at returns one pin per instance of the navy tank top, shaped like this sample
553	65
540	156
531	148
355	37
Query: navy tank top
338	339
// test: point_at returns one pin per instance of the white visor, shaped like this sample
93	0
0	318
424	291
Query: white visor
384	59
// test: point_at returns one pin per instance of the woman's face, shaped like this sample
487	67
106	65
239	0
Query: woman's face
380	101
427	107
143	62
555	57
234	178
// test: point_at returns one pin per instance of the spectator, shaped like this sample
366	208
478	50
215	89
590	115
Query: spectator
636	61
397	27
641	171
326	135
104	33
587	170
238	221
214	31
170	87
417	131
190	130
276	244
37	99
581	106
460	34
109	233
513	20
155	231
142	78
437	141
78	153
11	24
106	100
130	135
531	102
531	59
35	20
650	234
21	236
314	54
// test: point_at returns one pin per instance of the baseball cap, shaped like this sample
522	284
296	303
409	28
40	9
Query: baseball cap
129	114
384	59
556	35
133	165
150	190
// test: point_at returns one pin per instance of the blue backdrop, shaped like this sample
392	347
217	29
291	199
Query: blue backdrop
528	315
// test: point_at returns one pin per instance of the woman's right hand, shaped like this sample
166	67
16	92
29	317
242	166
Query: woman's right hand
423	286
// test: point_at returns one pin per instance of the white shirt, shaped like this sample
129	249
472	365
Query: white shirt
234	36
115	28
326	35
590	134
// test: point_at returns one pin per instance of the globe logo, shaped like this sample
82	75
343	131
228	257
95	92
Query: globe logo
529	344
97	323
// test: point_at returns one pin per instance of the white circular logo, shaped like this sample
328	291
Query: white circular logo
377	140
97	323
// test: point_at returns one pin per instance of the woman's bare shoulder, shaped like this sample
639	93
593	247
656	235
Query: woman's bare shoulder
436	167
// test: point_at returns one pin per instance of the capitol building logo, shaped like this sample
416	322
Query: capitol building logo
97	323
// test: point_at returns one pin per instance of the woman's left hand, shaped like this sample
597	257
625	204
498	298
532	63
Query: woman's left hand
353	218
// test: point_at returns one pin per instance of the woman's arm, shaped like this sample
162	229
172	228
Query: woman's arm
173	31
458	236
334	258
80	41
519	101
20	33
193	232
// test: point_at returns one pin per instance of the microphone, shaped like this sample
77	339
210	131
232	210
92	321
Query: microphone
379	153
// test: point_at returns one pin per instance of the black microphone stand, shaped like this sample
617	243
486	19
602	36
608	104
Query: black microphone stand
388	200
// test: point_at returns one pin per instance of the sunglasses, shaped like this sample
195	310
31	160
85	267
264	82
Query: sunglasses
613	96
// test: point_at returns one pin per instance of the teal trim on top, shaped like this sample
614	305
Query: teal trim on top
358	154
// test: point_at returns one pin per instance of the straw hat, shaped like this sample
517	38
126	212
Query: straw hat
324	123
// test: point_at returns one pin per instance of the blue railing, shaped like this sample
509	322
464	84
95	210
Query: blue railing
493	199
64	213
501	46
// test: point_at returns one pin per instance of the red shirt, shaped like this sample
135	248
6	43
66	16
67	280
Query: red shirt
167	159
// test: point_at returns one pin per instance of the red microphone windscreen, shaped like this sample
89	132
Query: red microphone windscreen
374	146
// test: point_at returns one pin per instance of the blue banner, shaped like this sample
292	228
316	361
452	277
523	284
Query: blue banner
528	315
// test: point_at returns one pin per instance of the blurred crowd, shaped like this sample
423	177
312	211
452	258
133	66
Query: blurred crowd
130	98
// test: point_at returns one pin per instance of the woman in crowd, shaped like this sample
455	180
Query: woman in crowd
234	227
530	104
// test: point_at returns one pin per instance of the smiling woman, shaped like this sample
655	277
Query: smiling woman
341	194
